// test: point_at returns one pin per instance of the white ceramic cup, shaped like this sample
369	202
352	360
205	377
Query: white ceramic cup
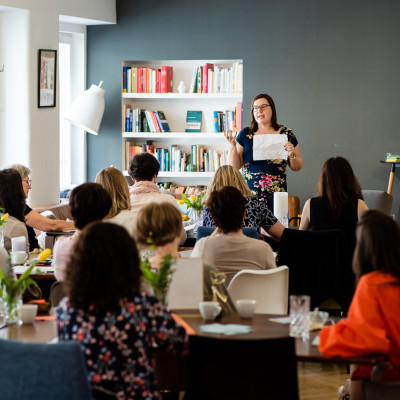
209	310
28	313
18	257
246	307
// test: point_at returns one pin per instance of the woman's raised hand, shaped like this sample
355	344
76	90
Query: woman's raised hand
230	137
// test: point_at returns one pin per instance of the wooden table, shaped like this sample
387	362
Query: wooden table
263	328
394	164
38	332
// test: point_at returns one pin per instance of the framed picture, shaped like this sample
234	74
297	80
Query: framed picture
47	71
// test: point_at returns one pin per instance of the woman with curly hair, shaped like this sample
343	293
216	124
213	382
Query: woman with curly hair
117	325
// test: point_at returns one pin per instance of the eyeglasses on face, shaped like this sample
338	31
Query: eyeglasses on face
261	107
28	181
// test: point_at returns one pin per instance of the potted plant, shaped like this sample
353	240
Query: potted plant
12	288
195	206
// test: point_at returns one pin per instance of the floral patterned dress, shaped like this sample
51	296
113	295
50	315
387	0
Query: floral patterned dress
266	176
118	346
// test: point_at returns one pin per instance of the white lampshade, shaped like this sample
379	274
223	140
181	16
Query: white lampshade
87	109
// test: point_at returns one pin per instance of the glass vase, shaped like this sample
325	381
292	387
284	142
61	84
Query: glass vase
11	304
196	218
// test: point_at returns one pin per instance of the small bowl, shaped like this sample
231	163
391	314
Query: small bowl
318	319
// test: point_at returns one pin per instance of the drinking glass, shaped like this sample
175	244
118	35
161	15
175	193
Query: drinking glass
300	316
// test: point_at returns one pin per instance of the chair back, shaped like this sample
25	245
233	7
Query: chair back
39	371
57	292
238	369
269	288
381	390
319	265
203	231
378	200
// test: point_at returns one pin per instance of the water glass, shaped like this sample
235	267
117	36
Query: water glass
300	316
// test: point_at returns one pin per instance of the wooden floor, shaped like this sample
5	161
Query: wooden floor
320	381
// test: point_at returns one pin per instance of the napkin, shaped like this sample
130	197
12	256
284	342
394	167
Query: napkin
228	329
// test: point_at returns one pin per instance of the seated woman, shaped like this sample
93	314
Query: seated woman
339	204
143	169
257	214
373	324
161	223
228	249
117	325
33	219
114	182
12	199
88	202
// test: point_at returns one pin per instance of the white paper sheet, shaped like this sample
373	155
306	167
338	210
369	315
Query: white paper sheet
269	147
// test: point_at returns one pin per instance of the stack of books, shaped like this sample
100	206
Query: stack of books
136	120
392	157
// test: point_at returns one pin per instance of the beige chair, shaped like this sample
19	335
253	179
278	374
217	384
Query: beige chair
269	288
378	200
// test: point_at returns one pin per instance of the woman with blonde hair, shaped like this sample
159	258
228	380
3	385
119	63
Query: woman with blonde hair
257	213
114	183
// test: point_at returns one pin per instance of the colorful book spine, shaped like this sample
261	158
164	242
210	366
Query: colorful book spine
166	79
140	80
215	119
163	121
124	79
193	83
193	121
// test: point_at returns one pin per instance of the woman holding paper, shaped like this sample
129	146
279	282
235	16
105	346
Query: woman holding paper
264	149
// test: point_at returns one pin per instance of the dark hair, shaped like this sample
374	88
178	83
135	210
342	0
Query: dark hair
12	196
338	185
227	208
377	245
143	166
253	124
89	202
160	222
103	268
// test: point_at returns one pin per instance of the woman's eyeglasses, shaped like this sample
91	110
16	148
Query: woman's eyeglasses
28	181
262	107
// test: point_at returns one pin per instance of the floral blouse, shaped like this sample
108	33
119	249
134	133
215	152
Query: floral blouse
258	215
266	176
118	346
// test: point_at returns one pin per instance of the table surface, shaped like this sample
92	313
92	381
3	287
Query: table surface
262	328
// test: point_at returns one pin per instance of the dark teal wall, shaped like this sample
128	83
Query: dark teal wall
331	67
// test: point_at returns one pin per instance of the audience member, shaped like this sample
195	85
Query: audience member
88	202
257	214
114	182
143	169
228	249
372	325
12	199
33	219
339	204
117	326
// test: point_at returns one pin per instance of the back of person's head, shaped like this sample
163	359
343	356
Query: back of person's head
89	202
114	182
12	197
143	167
227	208
227	176
103	268
21	169
338	185
377	245
159	222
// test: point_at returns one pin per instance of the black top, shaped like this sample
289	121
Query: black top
33	242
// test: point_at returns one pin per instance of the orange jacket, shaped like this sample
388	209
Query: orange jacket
373	322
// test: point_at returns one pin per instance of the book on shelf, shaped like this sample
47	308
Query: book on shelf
193	83
193	121
125	79
162	121
207	68
166	79
393	158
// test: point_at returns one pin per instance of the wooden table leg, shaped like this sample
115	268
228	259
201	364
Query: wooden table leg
391	178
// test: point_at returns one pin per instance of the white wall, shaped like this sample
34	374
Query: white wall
28	134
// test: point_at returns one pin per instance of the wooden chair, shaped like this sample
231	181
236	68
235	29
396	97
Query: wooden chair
269	288
238	369
57	292
294	210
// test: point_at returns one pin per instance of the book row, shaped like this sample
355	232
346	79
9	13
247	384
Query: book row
176	190
137	120
147	80
228	120
174	159
210	78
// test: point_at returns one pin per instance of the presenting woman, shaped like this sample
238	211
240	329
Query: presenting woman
264	149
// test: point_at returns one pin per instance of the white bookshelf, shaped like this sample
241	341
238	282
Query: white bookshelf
175	106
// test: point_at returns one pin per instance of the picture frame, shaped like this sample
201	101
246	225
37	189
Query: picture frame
47	74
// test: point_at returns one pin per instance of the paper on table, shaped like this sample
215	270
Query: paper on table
269	147
228	329
315	342
281	320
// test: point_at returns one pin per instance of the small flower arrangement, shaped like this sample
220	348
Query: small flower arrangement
195	201
12	288
4	217
159	279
